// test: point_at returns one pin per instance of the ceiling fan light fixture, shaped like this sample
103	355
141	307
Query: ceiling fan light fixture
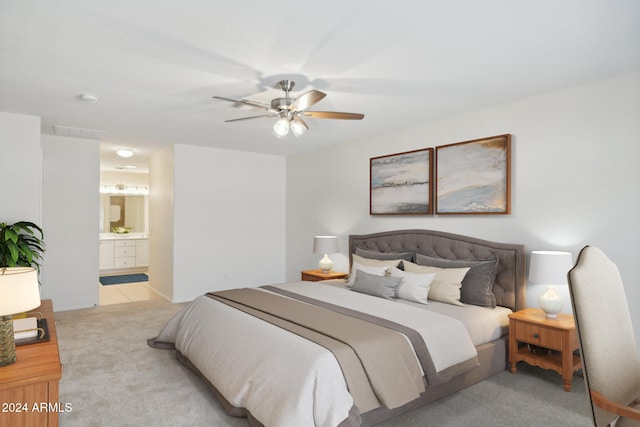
289	110
281	127
298	126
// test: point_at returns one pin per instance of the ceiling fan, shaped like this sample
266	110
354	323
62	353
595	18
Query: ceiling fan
291	110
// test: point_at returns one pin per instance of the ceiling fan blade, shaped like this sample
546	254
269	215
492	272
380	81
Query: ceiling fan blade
332	115
306	100
252	117
249	103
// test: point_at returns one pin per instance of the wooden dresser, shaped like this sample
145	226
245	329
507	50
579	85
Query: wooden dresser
29	387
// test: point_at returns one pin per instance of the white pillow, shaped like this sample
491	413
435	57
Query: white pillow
414	286
380	270
376	262
446	285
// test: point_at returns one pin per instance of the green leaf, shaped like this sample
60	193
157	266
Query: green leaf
14	252
10	234
20	244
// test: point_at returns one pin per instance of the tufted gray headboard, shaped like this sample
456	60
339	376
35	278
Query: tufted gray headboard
509	287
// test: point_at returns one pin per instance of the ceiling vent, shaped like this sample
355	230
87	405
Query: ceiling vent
79	132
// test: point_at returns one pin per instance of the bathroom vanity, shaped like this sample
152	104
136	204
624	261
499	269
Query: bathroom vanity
123	252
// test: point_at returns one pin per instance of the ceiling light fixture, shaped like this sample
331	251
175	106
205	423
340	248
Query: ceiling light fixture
125	152
285	124
122	189
298	126
281	128
290	110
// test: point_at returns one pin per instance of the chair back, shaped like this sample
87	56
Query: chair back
610	359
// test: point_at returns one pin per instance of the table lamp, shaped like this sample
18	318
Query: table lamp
550	268
325	245
19	292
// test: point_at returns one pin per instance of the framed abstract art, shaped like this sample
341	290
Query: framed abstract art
474	177
402	184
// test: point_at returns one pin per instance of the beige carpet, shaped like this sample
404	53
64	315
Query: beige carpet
112	378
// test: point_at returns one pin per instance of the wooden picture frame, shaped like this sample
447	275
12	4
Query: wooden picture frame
474	177
401	184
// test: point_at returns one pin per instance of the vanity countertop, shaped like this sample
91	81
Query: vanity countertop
116	236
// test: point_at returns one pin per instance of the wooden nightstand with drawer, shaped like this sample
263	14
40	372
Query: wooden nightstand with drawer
29	387
546	343
317	275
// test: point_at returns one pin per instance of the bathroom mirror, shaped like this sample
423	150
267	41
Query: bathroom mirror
123	212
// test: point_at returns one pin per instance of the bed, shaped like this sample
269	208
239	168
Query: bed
304	353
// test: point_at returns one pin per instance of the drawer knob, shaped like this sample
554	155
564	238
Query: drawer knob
536	336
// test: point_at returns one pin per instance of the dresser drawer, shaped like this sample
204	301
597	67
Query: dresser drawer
127	262
125	243
127	251
550	338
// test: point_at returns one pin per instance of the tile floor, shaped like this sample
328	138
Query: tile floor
127	292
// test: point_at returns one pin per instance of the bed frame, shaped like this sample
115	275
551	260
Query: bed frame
509	289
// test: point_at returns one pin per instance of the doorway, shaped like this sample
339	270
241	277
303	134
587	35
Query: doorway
124	238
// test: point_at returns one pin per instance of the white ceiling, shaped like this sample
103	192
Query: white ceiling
155	64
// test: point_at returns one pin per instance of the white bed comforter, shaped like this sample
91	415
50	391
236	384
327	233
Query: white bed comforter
285	380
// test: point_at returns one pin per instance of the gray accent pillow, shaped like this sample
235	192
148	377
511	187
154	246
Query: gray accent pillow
477	285
366	253
378	286
376	270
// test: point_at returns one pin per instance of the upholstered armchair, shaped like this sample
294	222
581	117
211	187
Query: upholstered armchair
610	360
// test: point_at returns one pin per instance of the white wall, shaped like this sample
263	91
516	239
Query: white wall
54	184
133	179
20	170
228	220
70	212
575	179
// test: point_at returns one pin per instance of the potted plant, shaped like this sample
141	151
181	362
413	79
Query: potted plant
20	246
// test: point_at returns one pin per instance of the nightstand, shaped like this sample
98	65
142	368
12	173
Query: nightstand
30	385
548	343
317	275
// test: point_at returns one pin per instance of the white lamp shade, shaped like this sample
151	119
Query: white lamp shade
550	267
325	244
19	290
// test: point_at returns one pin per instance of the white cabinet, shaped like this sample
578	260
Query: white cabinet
106	254
124	253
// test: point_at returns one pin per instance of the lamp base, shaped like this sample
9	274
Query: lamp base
550	302
325	264
7	341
